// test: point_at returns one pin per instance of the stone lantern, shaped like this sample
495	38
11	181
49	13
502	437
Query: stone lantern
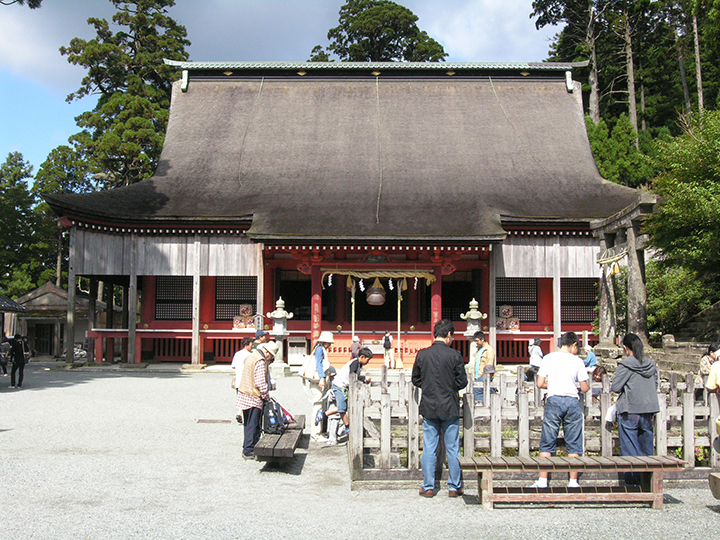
474	318
279	331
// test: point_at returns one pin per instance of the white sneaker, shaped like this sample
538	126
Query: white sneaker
573	484
332	443
12	387
538	485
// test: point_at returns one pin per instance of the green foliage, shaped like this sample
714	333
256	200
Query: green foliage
378	31
686	229
123	135
616	156
23	247
674	295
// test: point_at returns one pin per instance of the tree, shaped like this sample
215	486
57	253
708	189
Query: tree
64	171
32	4
686	228
124	133
581	18
16	219
378	31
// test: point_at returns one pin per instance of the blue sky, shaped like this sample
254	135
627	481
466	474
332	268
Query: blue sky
35	79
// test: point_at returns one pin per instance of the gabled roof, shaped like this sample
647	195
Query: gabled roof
367	152
9	306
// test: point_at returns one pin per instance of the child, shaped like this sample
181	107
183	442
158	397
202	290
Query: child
330	410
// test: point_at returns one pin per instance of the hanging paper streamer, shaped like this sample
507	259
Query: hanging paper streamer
390	284
330	280
362	286
416	282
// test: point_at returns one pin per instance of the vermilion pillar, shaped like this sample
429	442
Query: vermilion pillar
316	303
436	298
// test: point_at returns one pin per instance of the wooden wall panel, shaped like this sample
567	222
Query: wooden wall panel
536	256
103	254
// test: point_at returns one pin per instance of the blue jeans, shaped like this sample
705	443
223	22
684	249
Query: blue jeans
432	428
340	398
635	433
566	411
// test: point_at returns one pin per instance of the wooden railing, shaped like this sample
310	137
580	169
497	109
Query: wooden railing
385	434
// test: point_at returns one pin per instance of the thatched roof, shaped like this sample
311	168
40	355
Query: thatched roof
339	153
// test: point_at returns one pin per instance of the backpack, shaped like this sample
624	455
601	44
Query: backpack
273	420
387	343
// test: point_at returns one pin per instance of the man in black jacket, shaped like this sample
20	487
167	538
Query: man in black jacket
440	372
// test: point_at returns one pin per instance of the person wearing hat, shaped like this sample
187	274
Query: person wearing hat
590	360
314	373
261	336
321	356
253	390
355	347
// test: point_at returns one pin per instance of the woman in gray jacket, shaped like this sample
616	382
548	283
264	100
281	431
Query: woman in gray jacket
635	382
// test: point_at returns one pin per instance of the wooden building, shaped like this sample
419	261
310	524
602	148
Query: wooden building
309	181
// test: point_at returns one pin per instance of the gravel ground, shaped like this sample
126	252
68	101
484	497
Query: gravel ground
98	454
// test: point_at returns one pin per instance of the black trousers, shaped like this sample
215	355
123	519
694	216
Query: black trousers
20	368
252	418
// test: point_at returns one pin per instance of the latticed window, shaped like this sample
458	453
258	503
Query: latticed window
521	294
578	298
173	298
231	292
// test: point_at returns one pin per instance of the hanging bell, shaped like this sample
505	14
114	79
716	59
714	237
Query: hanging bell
376	294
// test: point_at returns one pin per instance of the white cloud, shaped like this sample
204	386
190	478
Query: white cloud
484	30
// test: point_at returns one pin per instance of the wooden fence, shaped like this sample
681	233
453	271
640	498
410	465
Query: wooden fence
385	434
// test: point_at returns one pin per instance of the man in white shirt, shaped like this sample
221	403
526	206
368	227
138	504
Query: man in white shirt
560	373
238	363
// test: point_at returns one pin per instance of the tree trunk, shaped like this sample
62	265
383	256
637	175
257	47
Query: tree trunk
632	104
58	263
698	68
594	104
683	75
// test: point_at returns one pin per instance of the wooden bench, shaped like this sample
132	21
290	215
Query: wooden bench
281	447
651	489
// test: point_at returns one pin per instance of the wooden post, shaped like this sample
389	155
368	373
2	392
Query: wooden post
673	396
385	431
661	427
523	424
486	391
92	319
605	433
520	379
495	425
355	438
502	389
131	306
468	424
413	428
383	379
712	399
195	265
72	286
688	427
402	390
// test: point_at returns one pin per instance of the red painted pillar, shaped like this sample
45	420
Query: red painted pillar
436	298
316	304
99	350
